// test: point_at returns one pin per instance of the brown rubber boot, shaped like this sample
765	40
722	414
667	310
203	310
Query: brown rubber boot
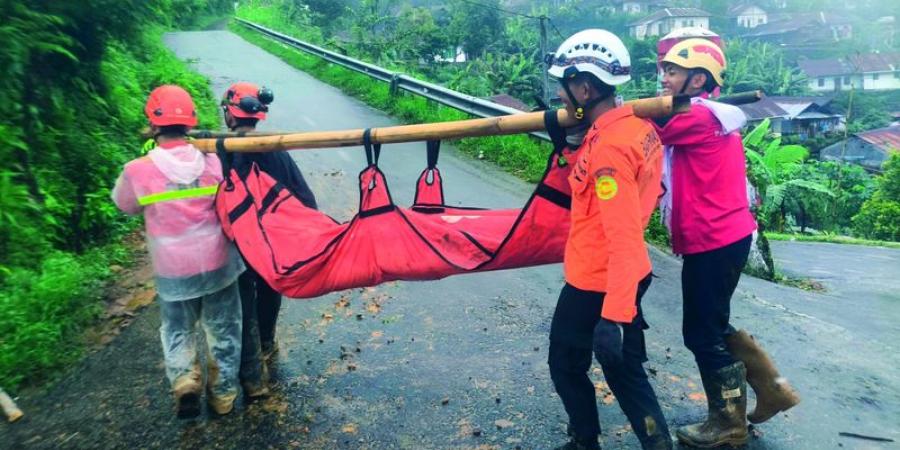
726	397
773	392
187	390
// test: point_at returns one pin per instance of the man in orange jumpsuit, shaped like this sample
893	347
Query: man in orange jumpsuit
615	186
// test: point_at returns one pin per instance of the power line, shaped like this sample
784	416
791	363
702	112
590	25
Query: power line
556	30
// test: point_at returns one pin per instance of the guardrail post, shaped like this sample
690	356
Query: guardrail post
395	85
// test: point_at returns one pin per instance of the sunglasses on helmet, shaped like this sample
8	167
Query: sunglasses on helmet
253	105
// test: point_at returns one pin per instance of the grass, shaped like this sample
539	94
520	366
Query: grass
47	308
830	238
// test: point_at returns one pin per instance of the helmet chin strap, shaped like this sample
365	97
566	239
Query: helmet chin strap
579	108
690	76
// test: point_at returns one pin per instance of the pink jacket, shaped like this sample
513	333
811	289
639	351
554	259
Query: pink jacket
709	206
175	187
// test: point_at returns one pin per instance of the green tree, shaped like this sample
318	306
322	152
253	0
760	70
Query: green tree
417	37
879	217
759	65
475	26
774	170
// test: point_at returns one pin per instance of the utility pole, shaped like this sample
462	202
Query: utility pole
544	59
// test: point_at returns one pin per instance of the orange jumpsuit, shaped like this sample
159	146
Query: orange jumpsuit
615	188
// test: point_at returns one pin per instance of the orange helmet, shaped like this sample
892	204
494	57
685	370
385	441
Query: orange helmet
699	53
247	100
171	105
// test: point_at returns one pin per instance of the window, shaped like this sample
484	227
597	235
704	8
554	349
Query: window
821	82
874	76
897	75
846	80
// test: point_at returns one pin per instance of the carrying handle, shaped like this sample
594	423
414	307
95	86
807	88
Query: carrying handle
373	151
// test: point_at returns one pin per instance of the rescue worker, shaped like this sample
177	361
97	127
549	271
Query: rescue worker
615	186
707	211
243	106
196	267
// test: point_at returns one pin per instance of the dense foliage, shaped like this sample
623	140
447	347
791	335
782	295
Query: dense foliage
879	217
75	75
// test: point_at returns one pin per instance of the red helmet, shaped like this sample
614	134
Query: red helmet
171	105
247	100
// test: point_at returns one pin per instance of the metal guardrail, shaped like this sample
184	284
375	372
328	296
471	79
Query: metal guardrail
463	102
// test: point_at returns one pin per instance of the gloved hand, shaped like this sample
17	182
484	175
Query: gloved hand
608	342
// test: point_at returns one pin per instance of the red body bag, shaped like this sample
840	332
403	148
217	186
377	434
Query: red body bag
304	253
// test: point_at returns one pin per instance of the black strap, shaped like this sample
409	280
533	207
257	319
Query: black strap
240	209
377	211
561	199
557	133
373	151
226	159
434	150
270	197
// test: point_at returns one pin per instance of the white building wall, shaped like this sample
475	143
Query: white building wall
884	81
752	17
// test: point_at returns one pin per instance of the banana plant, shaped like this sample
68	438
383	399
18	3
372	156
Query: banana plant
773	170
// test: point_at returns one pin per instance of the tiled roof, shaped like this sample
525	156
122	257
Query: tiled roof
869	62
672	12
883	138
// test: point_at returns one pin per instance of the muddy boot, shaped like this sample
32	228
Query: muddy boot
658	442
726	397
221	403
269	349
773	392
187	390
257	387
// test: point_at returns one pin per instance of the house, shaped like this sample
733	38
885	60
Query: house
802	32
662	22
638	6
764	109
870	149
868	72
748	15
805	117
509	101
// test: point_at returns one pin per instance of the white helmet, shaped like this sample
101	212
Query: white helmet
595	51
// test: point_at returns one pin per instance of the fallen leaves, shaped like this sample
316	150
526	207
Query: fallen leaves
503	423
350	428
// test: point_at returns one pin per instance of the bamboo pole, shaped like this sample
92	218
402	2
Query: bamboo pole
491	126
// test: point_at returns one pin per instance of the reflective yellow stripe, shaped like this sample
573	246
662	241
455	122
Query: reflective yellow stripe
178	195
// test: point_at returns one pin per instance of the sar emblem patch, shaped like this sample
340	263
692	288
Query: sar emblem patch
606	187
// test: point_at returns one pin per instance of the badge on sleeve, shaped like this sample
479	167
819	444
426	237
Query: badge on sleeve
606	187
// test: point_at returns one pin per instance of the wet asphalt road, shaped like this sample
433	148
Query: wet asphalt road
870	276
429	365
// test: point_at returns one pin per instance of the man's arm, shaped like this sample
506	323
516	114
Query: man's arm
697	126
123	196
620	214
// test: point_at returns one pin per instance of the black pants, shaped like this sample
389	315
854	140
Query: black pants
708	280
251	351
268	304
571	336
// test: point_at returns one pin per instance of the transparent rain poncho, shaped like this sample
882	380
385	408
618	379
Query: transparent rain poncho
196	267
175	189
